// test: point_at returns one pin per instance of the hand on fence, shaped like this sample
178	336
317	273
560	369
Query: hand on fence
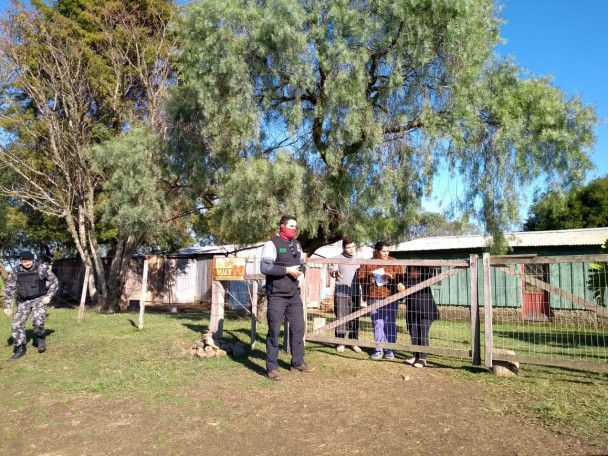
45	300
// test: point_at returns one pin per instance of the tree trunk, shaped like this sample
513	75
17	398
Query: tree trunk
118	271
84	239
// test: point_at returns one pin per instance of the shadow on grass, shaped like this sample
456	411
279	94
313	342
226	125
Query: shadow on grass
564	374
29	336
236	337
254	358
462	367
198	329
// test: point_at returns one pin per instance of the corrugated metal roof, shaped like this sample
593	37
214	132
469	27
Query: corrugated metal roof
584	236
228	249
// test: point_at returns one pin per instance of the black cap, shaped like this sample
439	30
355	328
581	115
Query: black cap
25	255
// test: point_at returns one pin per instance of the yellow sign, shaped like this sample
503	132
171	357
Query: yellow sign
229	268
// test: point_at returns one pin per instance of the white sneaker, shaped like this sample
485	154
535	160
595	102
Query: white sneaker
410	361
340	348
419	364
356	349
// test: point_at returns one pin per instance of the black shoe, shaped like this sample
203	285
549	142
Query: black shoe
41	344
18	352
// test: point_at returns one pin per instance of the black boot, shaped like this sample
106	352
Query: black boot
18	352
40	344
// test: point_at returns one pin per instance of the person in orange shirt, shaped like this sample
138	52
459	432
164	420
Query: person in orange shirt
378	283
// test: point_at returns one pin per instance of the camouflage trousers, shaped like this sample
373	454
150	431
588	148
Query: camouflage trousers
24	309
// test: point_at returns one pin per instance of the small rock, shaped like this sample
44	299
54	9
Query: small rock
504	368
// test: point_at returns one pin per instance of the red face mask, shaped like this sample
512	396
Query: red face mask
287	234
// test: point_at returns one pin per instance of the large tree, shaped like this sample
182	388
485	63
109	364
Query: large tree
78	78
340	113
582	207
433	224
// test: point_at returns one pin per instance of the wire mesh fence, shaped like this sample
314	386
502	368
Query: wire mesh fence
388	305
544	310
551	310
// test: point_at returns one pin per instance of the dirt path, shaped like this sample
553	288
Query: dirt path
383	408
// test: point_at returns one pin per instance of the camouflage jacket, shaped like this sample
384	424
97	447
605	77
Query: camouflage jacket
44	273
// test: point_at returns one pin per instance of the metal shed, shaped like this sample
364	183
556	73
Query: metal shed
509	291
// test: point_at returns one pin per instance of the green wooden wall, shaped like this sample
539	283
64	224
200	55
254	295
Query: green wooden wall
507	290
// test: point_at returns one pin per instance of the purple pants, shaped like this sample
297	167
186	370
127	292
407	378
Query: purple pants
384	321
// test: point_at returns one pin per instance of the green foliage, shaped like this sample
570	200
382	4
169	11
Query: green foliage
524	129
368	98
433	224
254	193
581	207
76	74
21	226
133	200
4	226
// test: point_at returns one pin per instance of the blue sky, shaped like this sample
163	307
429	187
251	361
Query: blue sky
565	39
568	40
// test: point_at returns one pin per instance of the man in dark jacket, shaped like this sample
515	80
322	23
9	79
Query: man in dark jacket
33	286
284	267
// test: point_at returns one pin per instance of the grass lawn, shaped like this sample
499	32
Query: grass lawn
107	357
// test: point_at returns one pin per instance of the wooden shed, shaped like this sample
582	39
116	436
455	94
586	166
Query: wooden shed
183	277
180	278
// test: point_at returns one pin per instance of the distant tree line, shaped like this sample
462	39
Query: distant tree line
582	207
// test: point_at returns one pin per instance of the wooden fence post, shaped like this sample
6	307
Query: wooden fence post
142	298
475	333
487	303
216	324
83	295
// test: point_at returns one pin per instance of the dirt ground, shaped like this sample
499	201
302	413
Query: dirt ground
360	408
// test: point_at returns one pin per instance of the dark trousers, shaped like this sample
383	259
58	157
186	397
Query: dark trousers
292	310
419	327
343	306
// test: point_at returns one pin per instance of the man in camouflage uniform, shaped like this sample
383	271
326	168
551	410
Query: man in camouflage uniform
33	286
